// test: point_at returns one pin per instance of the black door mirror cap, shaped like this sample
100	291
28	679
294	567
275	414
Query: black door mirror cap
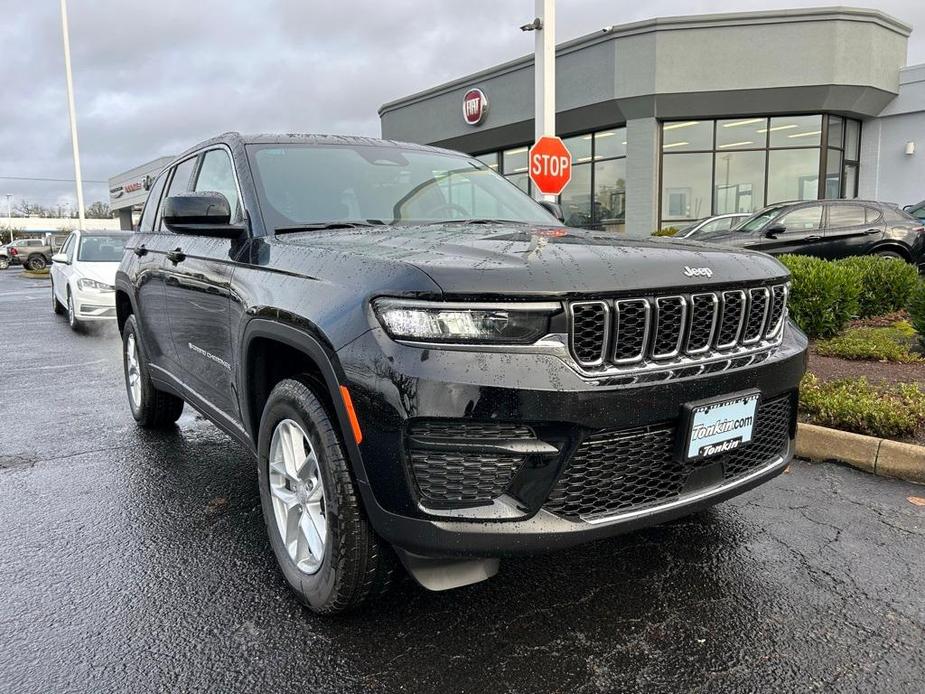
772	231
201	213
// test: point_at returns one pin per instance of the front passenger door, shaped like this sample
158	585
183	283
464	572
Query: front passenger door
198	280
802	232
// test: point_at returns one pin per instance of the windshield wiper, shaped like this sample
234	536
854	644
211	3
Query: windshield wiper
482	220
320	226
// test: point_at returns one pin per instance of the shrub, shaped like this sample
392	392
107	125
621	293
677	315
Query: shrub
823	295
666	231
885	284
917	309
892	343
856	405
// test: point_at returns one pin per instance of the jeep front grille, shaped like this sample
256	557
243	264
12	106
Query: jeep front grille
680	329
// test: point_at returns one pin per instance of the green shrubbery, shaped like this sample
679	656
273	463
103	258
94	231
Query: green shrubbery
892	343
666	231
823	296
826	295
916	308
856	405
885	284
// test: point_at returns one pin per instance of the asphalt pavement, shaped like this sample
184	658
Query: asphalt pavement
132	561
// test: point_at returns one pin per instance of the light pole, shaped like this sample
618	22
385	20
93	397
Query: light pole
72	115
544	73
9	214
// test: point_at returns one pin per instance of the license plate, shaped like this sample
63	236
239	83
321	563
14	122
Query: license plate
720	426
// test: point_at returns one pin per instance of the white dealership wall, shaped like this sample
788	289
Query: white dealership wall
887	172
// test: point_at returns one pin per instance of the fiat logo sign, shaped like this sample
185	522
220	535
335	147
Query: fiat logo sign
475	106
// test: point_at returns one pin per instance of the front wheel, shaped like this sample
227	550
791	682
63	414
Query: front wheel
55	304
889	255
4	263
36	263
151	408
72	313
328	553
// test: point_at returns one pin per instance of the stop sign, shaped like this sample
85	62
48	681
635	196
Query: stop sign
550	165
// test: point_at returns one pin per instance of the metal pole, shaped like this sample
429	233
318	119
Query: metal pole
72	115
545	74
9	214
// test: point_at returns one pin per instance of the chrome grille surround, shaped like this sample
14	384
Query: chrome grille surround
584	336
708	332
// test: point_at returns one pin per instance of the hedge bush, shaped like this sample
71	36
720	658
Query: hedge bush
666	231
916	308
893	343
823	295
855	405
885	284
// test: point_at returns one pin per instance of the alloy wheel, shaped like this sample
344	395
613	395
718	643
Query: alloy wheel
132	370
298	496
71	314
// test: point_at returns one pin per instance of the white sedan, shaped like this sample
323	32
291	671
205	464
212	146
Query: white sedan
83	276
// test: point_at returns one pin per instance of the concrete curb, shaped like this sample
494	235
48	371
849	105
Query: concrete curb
882	457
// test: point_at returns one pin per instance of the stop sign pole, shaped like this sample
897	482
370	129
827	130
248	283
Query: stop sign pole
544	77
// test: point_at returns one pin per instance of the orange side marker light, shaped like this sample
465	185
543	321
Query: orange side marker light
351	415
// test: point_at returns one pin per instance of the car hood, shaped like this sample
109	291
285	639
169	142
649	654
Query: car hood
101	272
538	260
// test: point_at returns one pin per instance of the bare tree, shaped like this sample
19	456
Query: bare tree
98	210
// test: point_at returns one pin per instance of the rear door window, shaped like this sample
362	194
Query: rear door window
841	216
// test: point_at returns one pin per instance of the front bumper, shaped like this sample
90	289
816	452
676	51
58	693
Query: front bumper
408	384
93	305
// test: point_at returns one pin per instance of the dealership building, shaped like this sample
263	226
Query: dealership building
674	119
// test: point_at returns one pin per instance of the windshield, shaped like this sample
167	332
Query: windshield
760	219
100	249
311	184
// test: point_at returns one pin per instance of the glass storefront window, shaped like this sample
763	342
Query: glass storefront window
686	136
793	174
852	139
686	186
836	131
579	147
739	182
795	131
576	198
490	160
515	160
851	181
521	180
742	133
610	143
609	192
833	174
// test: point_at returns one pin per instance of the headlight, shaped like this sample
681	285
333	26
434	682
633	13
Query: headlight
434	321
86	283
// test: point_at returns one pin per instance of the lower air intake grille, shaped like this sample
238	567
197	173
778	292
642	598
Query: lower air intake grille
616	471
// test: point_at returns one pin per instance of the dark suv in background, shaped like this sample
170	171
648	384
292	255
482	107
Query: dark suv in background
427	364
830	229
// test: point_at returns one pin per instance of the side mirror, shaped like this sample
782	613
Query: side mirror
554	209
60	258
205	213
907	208
772	231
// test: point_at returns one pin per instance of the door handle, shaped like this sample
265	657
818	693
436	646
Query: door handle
140	250
815	237
176	255
869	232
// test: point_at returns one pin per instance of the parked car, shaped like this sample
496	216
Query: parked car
917	210
720	222
426	363
83	276
34	254
830	229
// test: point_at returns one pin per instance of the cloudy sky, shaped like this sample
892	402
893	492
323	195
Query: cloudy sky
152	78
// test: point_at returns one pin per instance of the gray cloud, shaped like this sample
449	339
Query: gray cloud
152	78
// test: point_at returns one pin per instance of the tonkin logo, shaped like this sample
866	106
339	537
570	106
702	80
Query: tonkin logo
697	271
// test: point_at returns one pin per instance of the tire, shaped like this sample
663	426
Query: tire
151	408
891	255
72	319
55	304
353	564
36	262
4	263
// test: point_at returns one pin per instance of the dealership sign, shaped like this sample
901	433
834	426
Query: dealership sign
475	106
143	183
550	165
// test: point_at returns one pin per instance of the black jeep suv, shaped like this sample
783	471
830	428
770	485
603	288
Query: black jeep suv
427	365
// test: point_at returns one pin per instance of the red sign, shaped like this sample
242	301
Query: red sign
550	165
475	106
